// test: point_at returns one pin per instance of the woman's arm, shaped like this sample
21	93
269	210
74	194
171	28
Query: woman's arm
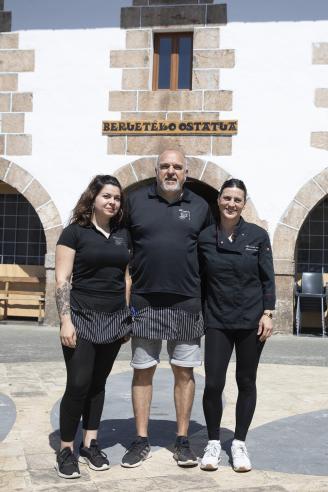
64	267
128	283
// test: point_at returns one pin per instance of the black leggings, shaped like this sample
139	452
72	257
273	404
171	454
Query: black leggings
218	349
88	366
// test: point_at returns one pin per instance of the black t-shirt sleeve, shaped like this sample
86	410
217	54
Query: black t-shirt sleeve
69	237
129	240
209	219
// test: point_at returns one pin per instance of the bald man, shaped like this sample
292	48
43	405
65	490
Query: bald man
165	220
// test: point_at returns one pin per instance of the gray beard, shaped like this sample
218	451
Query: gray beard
165	187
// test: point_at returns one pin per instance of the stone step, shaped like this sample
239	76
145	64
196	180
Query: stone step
5	21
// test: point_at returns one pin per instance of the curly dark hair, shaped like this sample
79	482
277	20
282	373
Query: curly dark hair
82	212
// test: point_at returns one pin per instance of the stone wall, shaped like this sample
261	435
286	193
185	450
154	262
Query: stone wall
136	100
287	231
320	57
14	105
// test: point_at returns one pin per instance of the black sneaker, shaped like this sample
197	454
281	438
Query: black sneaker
93	456
183	454
67	465
138	452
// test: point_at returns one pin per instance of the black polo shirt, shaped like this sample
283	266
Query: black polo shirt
238	276
164	238
98	280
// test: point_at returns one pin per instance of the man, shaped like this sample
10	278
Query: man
165	220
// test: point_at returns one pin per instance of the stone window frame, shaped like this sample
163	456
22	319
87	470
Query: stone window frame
174	76
136	100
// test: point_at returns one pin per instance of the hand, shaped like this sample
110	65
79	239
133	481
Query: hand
265	328
68	334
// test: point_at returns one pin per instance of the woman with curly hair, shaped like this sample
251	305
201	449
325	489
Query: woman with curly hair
92	255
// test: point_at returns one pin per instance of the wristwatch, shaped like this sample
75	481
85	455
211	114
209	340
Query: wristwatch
269	315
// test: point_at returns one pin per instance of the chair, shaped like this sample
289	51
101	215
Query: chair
311	296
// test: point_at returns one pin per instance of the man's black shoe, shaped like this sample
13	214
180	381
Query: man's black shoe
183	454
66	464
138	452
93	456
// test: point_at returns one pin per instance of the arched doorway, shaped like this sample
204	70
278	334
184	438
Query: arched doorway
286	244
33	197
22	256
312	242
205	177
311	255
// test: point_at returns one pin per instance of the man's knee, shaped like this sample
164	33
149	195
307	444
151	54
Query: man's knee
143	377
183	374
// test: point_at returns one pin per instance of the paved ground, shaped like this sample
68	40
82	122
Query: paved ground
287	441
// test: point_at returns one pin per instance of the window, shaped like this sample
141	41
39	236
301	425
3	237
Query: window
172	61
312	244
22	240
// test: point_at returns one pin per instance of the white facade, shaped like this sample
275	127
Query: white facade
273	82
269	71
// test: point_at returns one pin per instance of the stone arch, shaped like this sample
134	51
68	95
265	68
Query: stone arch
284	244
202	170
286	233
15	176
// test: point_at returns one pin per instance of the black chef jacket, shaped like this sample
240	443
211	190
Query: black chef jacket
164	239
238	276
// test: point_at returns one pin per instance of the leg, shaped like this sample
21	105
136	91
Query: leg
79	365
184	356
218	349
145	356
142	391
94	403
184	392
248	352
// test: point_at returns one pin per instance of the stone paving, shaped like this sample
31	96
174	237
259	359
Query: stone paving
287	441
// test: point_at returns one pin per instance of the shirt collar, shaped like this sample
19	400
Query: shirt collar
239	235
185	197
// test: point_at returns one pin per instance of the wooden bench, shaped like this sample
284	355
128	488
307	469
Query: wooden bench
11	296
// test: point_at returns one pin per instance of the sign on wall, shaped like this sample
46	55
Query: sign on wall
166	127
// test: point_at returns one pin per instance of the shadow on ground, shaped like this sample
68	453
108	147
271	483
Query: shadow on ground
297	444
7	415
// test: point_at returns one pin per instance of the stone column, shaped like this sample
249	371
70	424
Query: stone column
51	316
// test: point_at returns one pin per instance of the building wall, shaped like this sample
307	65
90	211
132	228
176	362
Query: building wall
278	86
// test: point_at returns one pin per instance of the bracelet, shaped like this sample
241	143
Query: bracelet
269	315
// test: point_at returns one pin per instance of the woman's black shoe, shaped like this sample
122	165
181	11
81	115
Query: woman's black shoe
67	465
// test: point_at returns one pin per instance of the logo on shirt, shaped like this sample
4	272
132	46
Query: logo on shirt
184	214
118	240
250	247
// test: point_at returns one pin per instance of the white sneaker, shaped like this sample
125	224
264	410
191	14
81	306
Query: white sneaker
211	458
240	459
